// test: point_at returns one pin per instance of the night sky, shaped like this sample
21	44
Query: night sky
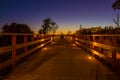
68	14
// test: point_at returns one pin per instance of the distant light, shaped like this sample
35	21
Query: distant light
53	42
89	57
42	45
73	44
45	48
42	40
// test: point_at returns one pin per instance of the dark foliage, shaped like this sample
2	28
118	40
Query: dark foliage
99	30
48	25
116	5
16	28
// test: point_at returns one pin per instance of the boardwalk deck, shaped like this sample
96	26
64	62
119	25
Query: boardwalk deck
61	61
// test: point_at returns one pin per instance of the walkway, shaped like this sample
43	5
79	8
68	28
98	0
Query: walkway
61	60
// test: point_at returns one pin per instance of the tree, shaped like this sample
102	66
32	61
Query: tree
48	25
16	28
54	27
40	31
116	5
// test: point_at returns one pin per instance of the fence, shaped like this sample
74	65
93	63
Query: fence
15	47
104	47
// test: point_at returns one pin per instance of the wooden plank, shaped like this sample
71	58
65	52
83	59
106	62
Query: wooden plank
109	47
5	49
9	48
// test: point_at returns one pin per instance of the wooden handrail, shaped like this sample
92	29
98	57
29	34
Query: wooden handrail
96	45
40	42
105	46
98	35
17	46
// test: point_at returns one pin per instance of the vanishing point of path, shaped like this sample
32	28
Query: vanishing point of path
61	60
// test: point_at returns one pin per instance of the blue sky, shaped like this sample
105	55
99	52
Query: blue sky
68	14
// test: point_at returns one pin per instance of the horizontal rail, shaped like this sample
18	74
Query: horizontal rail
100	35
17	34
93	51
101	45
10	61
111	61
39	43
97	45
9	48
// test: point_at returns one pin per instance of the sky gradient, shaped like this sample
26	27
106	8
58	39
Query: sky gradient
68	14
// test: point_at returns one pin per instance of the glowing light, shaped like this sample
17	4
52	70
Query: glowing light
76	39
45	48
42	45
73	44
53	42
42	40
94	43
89	57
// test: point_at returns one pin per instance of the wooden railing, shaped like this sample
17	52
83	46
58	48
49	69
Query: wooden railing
11	54
104	47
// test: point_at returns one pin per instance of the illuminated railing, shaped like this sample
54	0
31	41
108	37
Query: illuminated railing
11	54
104	47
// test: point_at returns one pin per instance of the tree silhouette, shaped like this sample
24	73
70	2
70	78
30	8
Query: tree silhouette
116	5
54	27
16	28
40	31
48	25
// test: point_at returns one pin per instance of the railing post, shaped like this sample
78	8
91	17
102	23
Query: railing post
32	37
73	38
53	37
14	50
83	38
37	38
88	39
101	41
25	41
114	43
93	39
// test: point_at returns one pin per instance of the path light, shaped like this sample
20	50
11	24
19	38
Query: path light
73	44
42	45
89	57
53	42
42	40
45	48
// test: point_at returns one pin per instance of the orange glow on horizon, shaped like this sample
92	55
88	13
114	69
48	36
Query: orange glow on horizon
62	29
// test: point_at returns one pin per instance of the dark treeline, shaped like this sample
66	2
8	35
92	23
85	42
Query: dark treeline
48	26
14	28
99	30
105	31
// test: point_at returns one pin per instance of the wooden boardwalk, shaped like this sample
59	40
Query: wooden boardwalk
61	60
